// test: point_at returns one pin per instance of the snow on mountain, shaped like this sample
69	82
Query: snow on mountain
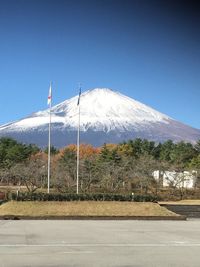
101	109
106	116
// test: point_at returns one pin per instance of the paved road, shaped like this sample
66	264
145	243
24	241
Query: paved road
100	243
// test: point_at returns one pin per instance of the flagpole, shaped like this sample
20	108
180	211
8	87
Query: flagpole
78	143
49	144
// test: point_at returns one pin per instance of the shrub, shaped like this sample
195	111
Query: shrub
81	197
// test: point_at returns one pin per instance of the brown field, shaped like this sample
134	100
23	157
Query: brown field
83	208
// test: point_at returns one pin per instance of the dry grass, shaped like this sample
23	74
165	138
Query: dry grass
84	208
183	202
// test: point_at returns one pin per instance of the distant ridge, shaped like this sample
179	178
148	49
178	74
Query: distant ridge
107	116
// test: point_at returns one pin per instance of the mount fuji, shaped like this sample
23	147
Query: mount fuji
106	116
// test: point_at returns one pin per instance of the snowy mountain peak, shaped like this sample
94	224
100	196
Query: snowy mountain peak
106	116
106	110
101	109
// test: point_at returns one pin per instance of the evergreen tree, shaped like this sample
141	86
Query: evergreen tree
166	150
182	153
12	152
53	150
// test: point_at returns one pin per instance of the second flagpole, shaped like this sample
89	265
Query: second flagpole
78	142
49	143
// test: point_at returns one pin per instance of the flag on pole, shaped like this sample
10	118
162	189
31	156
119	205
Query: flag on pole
49	96
79	96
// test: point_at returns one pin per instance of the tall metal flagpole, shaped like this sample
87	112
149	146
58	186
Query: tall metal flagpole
78	142
49	145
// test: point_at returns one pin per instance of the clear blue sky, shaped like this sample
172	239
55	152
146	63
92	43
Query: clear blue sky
146	49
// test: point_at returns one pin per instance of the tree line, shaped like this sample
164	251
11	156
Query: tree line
116	168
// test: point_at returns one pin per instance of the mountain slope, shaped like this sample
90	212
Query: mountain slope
106	116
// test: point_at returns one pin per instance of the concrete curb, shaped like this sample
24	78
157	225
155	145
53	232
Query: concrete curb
157	218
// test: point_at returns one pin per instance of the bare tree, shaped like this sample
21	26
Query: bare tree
32	174
62	179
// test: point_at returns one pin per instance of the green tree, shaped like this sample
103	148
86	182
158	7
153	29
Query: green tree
12	152
53	150
183	153
166	149
109	154
195	163
68	162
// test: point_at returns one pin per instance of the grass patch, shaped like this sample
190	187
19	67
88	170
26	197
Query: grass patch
85	208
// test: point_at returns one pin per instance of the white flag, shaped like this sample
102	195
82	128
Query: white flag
49	96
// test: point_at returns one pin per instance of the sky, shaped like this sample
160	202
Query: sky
146	49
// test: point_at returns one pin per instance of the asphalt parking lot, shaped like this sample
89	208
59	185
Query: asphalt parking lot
100	243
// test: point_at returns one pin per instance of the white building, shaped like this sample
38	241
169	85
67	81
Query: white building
186	179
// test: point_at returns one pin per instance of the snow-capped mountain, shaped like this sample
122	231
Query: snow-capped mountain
106	116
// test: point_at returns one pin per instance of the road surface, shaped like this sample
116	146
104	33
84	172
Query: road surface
100	243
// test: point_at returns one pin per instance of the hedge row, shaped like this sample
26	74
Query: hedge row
81	197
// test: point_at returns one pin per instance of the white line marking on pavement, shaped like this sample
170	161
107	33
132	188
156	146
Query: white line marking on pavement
77	252
178	244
